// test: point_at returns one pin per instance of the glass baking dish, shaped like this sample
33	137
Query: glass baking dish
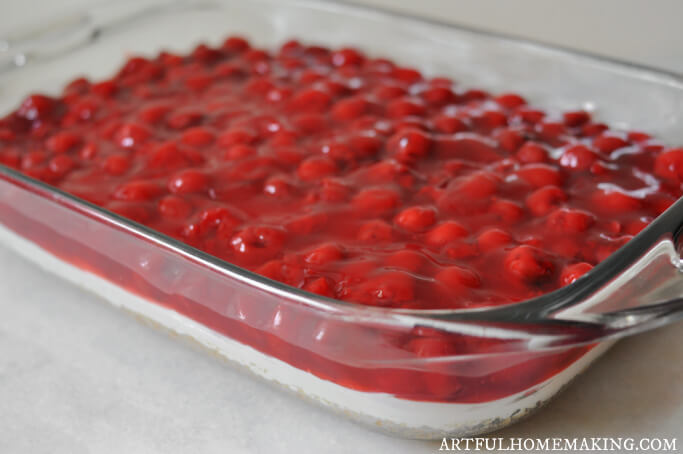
361	361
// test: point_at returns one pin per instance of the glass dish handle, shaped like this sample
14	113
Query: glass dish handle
647	294
638	288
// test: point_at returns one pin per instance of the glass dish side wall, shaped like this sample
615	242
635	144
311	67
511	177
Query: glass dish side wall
338	344
380	355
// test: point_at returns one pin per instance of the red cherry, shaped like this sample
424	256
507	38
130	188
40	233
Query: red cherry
383	172
638	136
333	190
468	147
310	100
221	219
561	245
347	57
456	275
510	100
387	92
545	199
493	239
315	168
528	264
409	145
131	134
507	210
116	164
376	200
416	219
551	130
106	88
529	115
259	86
669	164
188	181
405	107
593	129
475	94
85	109
446	232
609	143
386	289
309	123
539	175
278	186
490	120
661	204
154	113
33	159
7	135
406	75
62	142
184	119
532	152
321	286
570	220
256	244
235	44
510	139
578	157
174	207
613	201
406	260
236	136
239	151
365	144
307	223
198	82
138	190
636	226
479	185
339	152
291	47
61	165
284	137
324	254
576	118
448	124
197	136
10	157
350	108
409	123
37	107
375	231
572	272
167	156
206	54
438	96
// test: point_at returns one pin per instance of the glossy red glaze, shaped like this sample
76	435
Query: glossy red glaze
369	158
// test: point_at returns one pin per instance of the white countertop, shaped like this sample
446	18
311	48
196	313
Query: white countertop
78	376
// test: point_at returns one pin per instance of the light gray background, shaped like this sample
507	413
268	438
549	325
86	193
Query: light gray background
70	379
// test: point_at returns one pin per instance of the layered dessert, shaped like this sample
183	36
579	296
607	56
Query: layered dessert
353	178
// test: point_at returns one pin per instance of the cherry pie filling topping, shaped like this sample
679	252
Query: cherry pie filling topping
349	176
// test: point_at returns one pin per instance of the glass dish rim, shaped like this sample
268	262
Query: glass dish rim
676	76
534	310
